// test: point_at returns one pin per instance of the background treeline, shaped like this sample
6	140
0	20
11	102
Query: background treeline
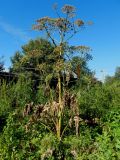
54	107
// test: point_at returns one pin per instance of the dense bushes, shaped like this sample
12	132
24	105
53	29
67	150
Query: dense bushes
14	95
25	138
95	102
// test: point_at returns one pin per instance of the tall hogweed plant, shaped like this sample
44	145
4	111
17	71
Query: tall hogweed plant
62	110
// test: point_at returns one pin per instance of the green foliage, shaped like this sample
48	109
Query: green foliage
22	92
12	96
23	137
114	78
1	66
4	98
15	95
77	147
35	59
107	145
95	102
40	96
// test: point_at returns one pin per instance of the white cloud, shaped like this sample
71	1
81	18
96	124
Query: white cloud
16	32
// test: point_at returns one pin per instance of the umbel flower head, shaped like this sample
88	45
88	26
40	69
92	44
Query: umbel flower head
60	24
68	9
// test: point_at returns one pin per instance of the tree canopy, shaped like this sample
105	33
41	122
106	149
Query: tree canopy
1	65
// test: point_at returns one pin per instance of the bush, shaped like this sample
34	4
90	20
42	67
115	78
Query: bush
95	102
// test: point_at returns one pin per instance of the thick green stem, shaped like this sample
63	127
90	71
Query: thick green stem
60	108
60	96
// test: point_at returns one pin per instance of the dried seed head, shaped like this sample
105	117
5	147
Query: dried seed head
70	122
68	9
79	22
28	109
74	153
76	119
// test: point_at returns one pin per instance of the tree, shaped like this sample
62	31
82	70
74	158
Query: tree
1	65
117	73
64	29
115	77
34	55
16	62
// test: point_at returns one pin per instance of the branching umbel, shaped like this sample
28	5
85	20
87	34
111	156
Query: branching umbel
65	26
62	29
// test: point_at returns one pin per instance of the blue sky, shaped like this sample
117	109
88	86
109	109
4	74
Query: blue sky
17	17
